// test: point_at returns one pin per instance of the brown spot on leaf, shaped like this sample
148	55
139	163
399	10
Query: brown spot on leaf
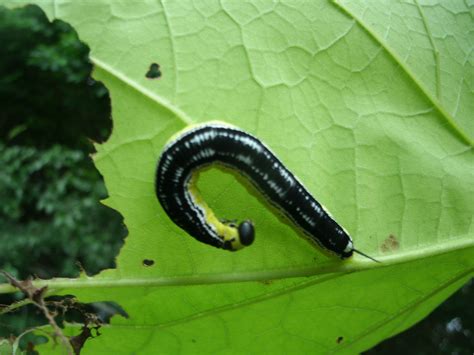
390	244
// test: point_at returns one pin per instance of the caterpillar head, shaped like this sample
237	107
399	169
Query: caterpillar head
238	236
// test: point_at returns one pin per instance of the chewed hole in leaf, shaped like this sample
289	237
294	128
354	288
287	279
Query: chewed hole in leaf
148	262
154	71
46	144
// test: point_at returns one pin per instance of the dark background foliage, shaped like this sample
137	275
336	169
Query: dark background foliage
51	221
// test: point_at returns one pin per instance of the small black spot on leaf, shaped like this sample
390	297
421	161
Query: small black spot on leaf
148	262
339	340
154	71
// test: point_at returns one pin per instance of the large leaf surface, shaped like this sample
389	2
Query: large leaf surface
369	105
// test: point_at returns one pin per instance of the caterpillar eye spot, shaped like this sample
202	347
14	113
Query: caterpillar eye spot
216	142
148	262
153	72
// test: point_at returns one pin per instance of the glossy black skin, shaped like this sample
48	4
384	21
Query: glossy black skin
336	239
250	157
246	233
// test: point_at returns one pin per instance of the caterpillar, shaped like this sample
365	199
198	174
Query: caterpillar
216	142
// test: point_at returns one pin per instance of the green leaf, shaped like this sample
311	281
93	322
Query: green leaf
5	347
369	105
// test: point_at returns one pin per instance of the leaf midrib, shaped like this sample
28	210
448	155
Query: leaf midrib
337	267
294	288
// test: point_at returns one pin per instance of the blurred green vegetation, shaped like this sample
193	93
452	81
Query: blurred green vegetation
46	93
50	217
51	221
